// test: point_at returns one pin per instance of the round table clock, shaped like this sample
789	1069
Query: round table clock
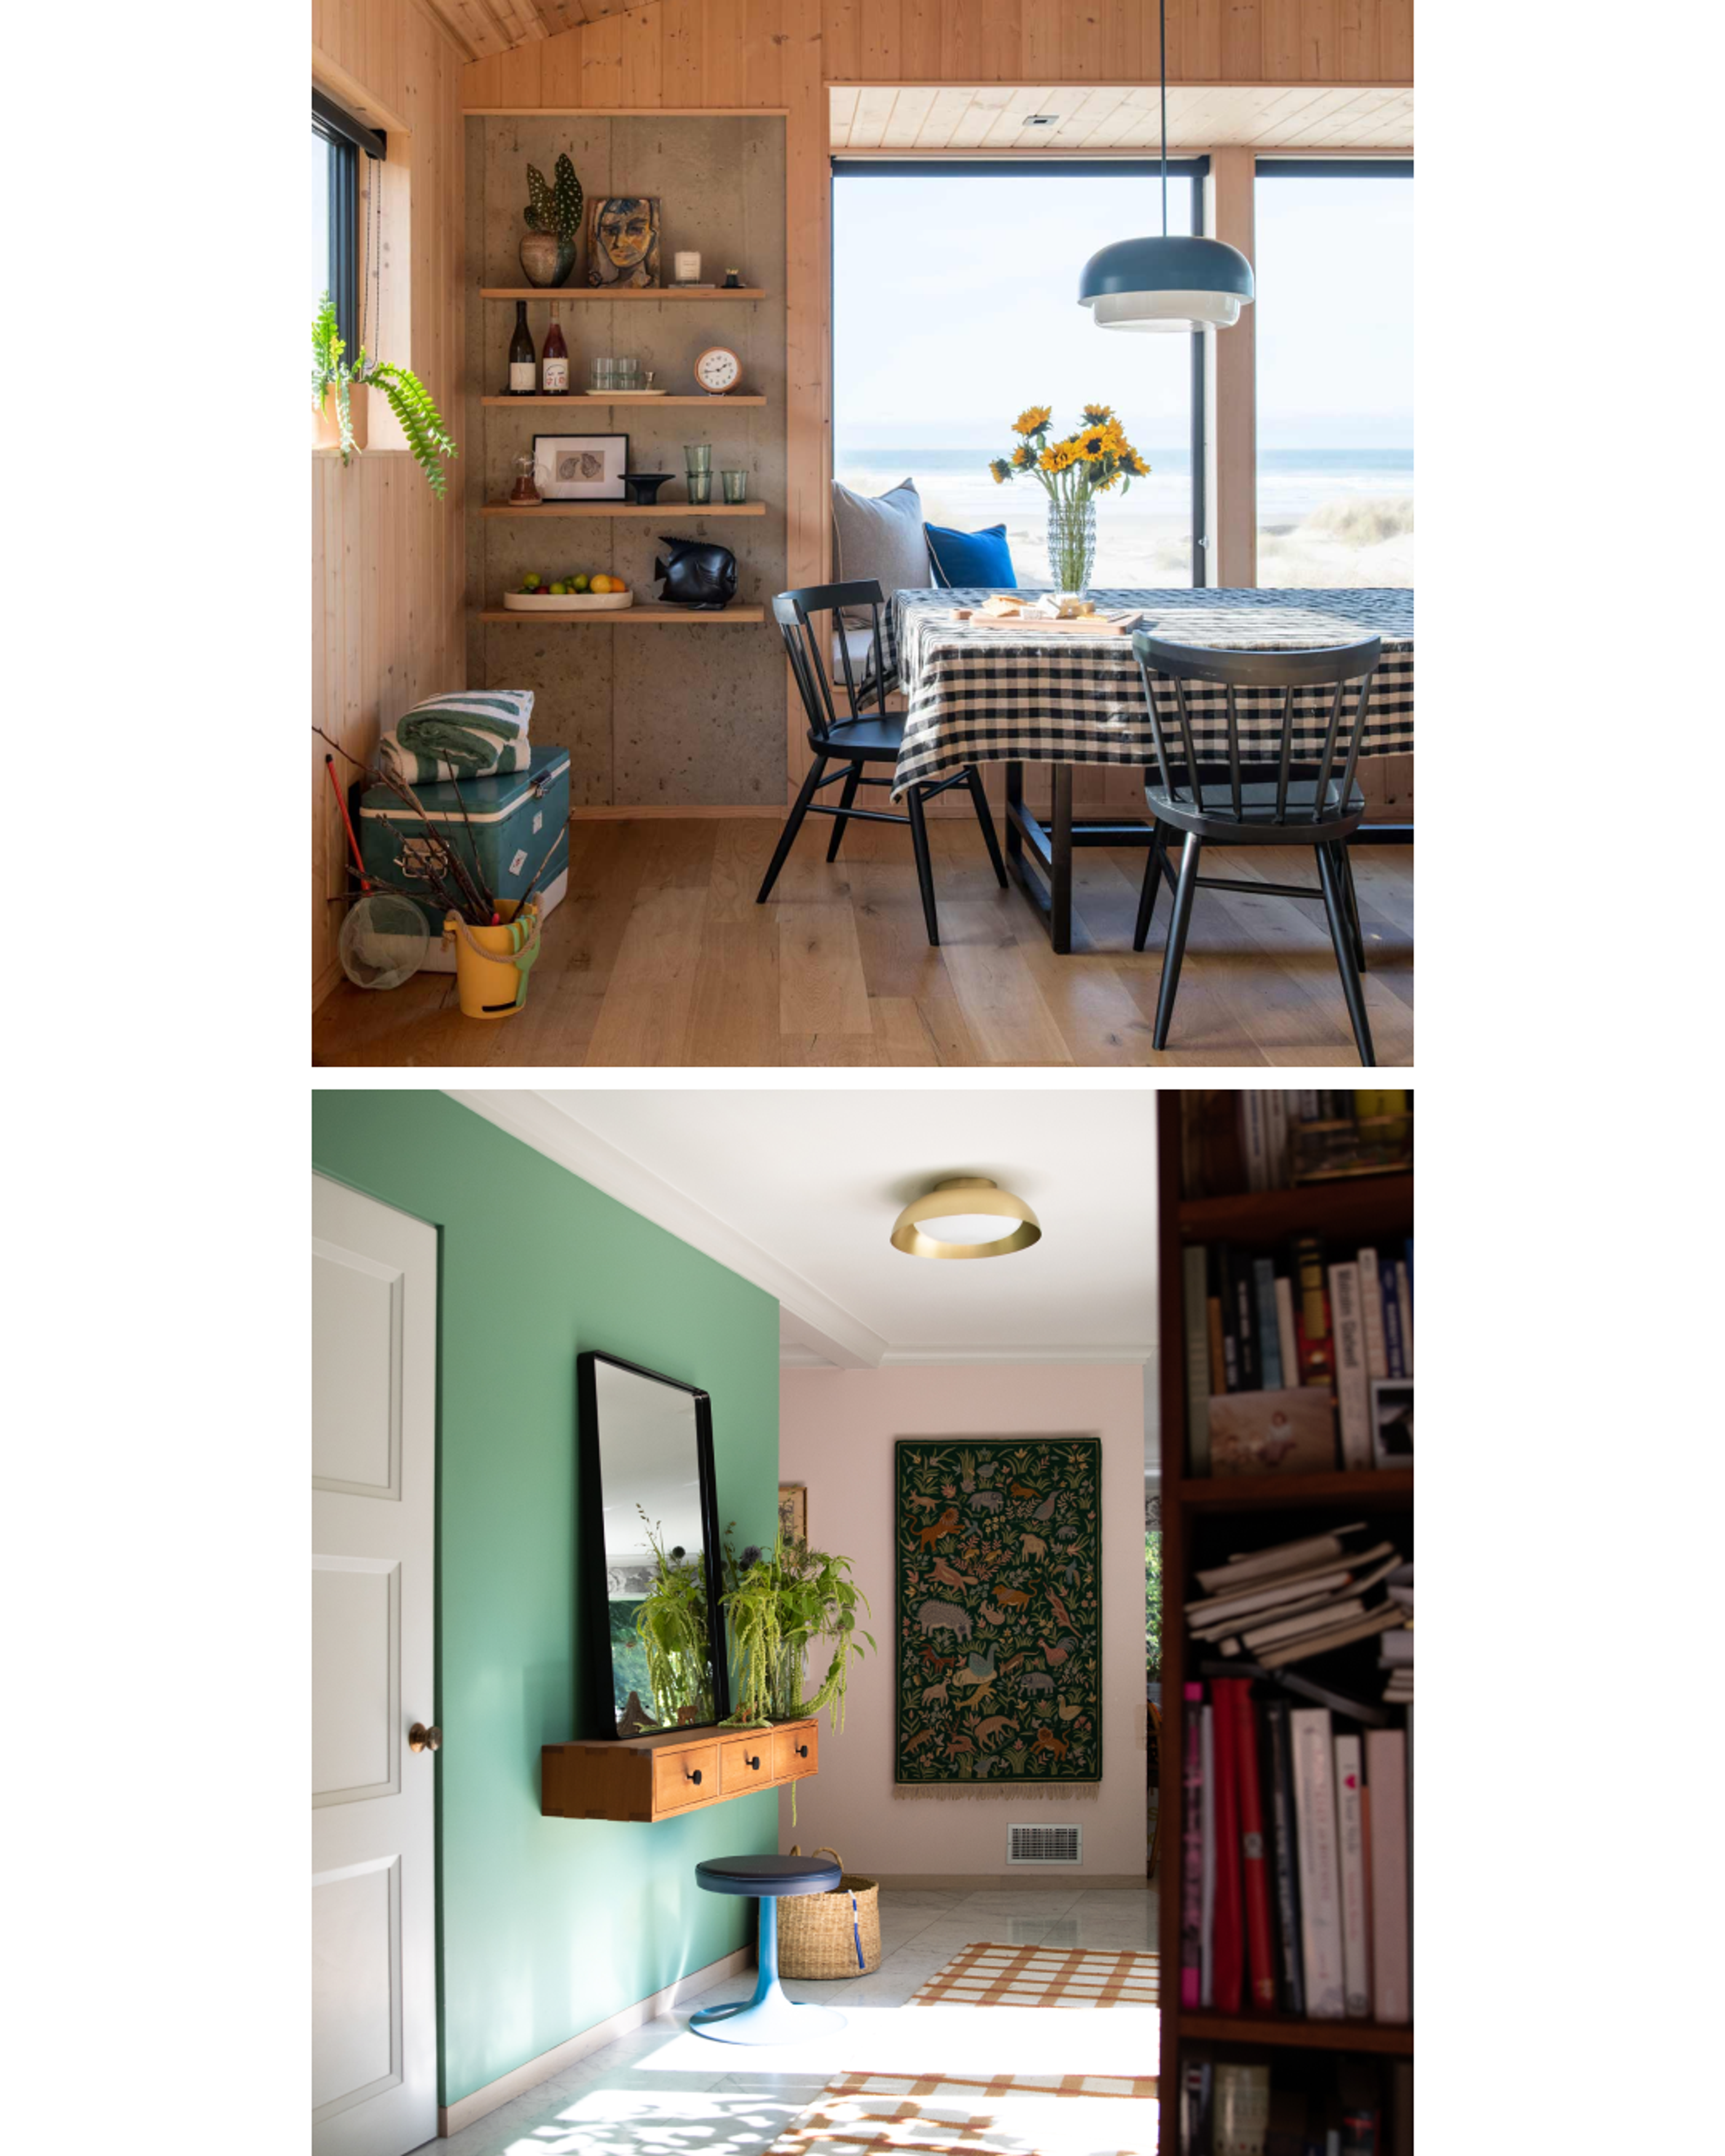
718	370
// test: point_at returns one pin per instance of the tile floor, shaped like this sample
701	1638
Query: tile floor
664	2090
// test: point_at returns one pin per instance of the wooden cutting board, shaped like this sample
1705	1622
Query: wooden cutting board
1084	625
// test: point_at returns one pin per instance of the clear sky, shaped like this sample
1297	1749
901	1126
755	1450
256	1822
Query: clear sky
954	306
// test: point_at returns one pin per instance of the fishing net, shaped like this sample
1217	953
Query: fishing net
383	941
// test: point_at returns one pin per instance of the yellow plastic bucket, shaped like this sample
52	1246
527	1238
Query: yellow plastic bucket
491	964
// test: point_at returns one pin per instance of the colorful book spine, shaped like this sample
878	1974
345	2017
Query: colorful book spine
1245	1322
1371	1310
1207	1814
1253	1865
1405	1306
1228	1959
1356	1949
1194	1302
1353	1393
1397	1365
1192	1846
1231	1358
1212	1312
1287	1339
1269	1335
1320	1873
1196	2081
1387	1776
1242	2110
1312	1314
1285	1857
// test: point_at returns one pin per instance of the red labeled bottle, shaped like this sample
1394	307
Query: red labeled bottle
554	359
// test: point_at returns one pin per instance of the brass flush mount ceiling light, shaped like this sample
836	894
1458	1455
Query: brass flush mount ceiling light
967	1216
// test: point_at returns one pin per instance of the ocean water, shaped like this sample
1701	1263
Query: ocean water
1144	535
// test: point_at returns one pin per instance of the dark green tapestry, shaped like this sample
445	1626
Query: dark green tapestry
998	1611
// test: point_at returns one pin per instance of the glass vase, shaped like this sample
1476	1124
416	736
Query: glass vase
785	1683
1071	544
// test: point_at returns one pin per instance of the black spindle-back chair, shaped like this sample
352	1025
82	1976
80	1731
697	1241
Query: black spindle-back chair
1311	801
855	737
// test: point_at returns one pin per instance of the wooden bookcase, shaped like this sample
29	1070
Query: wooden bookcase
1273	1508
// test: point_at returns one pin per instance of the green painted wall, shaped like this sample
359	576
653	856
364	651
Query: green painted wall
547	1925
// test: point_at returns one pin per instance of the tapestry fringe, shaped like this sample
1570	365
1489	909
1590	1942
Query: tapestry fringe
1017	1792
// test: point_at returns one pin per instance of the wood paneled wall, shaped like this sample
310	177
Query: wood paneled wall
388	564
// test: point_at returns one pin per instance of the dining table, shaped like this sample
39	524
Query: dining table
1018	692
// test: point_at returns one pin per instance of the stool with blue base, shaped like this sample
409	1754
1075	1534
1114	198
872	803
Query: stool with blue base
769	2017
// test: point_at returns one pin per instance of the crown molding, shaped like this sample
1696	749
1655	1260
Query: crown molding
828	1328
1132	1352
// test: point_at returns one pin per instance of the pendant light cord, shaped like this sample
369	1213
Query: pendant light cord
1162	26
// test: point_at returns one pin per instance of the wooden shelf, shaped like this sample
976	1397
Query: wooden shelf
630	292
710	403
674	1771
683	509
1284	2029
1370	1489
1364	1205
647	614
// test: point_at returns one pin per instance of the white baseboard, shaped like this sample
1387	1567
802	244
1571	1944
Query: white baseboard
451	2117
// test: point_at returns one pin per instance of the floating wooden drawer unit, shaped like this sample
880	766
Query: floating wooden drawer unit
653	1777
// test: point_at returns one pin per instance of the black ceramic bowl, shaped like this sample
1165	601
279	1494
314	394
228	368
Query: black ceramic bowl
644	487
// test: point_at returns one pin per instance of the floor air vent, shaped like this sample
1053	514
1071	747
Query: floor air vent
1045	1844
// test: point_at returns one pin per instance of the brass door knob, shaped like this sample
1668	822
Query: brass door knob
422	1739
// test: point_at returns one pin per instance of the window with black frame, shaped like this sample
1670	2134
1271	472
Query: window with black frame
1333	260
338	141
955	309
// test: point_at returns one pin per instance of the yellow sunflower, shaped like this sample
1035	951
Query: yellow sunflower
1057	456
1033	419
1132	465
1094	413
1094	444
1024	457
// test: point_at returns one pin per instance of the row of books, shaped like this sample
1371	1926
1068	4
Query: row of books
1256	1138
1325	2107
1299	1599
1294	1884
1298	1362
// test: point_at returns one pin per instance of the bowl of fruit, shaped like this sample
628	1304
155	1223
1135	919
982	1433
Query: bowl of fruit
570	594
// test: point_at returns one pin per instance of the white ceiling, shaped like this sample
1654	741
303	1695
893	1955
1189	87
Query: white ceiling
992	118
797	1190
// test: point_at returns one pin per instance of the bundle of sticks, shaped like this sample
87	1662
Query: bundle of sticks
458	887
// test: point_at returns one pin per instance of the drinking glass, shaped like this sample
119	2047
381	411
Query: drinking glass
629	372
698	468
604	376
735	484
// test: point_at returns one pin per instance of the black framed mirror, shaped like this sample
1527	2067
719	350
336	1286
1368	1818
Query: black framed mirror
650	1546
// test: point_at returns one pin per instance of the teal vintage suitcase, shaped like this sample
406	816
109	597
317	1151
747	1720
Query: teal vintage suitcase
511	823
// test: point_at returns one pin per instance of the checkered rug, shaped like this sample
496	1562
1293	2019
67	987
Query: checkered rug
1042	1976
1001	2114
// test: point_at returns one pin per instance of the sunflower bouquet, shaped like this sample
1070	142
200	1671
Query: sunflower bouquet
1072	471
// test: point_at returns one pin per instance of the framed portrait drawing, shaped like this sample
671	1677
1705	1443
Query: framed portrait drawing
580	467
793	1511
622	236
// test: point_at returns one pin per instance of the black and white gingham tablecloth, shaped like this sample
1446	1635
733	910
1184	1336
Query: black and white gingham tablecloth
1008	695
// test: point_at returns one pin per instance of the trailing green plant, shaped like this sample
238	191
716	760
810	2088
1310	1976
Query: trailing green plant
1152	1603
671	1626
428	440
781	1602
557	208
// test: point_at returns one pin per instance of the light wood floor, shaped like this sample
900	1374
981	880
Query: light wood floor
659	956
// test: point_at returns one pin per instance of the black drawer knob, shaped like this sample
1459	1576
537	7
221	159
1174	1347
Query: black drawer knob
802	1751
694	1774
755	1762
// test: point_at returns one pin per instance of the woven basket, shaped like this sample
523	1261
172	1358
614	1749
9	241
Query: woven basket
837	1934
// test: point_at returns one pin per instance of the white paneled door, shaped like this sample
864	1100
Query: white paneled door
373	1471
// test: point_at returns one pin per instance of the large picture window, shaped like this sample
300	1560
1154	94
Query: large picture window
338	140
955	306
1334	319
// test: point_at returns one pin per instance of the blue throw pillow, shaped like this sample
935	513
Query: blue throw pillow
971	559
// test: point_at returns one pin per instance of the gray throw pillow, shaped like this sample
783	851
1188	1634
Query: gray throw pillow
879	536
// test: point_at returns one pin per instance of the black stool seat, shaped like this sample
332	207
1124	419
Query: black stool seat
877	740
767	1874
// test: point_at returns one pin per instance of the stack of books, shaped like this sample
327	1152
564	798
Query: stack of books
1298	1361
1302	1598
1258	1139
1395	1650
1294	1861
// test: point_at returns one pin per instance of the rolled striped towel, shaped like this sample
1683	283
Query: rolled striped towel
469	730
413	769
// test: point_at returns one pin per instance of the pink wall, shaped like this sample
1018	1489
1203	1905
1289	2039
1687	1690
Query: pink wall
836	1433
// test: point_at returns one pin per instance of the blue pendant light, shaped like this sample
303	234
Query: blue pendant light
1166	284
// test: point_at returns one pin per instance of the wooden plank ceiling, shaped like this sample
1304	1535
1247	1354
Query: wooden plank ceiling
993	117
484	27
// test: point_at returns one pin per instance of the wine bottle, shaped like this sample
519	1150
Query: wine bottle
523	375
554	359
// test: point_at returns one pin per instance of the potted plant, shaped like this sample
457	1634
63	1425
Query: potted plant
670	1624
1073	472
553	216
780	1602
333	382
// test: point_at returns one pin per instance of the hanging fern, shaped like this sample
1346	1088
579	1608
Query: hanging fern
429	441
